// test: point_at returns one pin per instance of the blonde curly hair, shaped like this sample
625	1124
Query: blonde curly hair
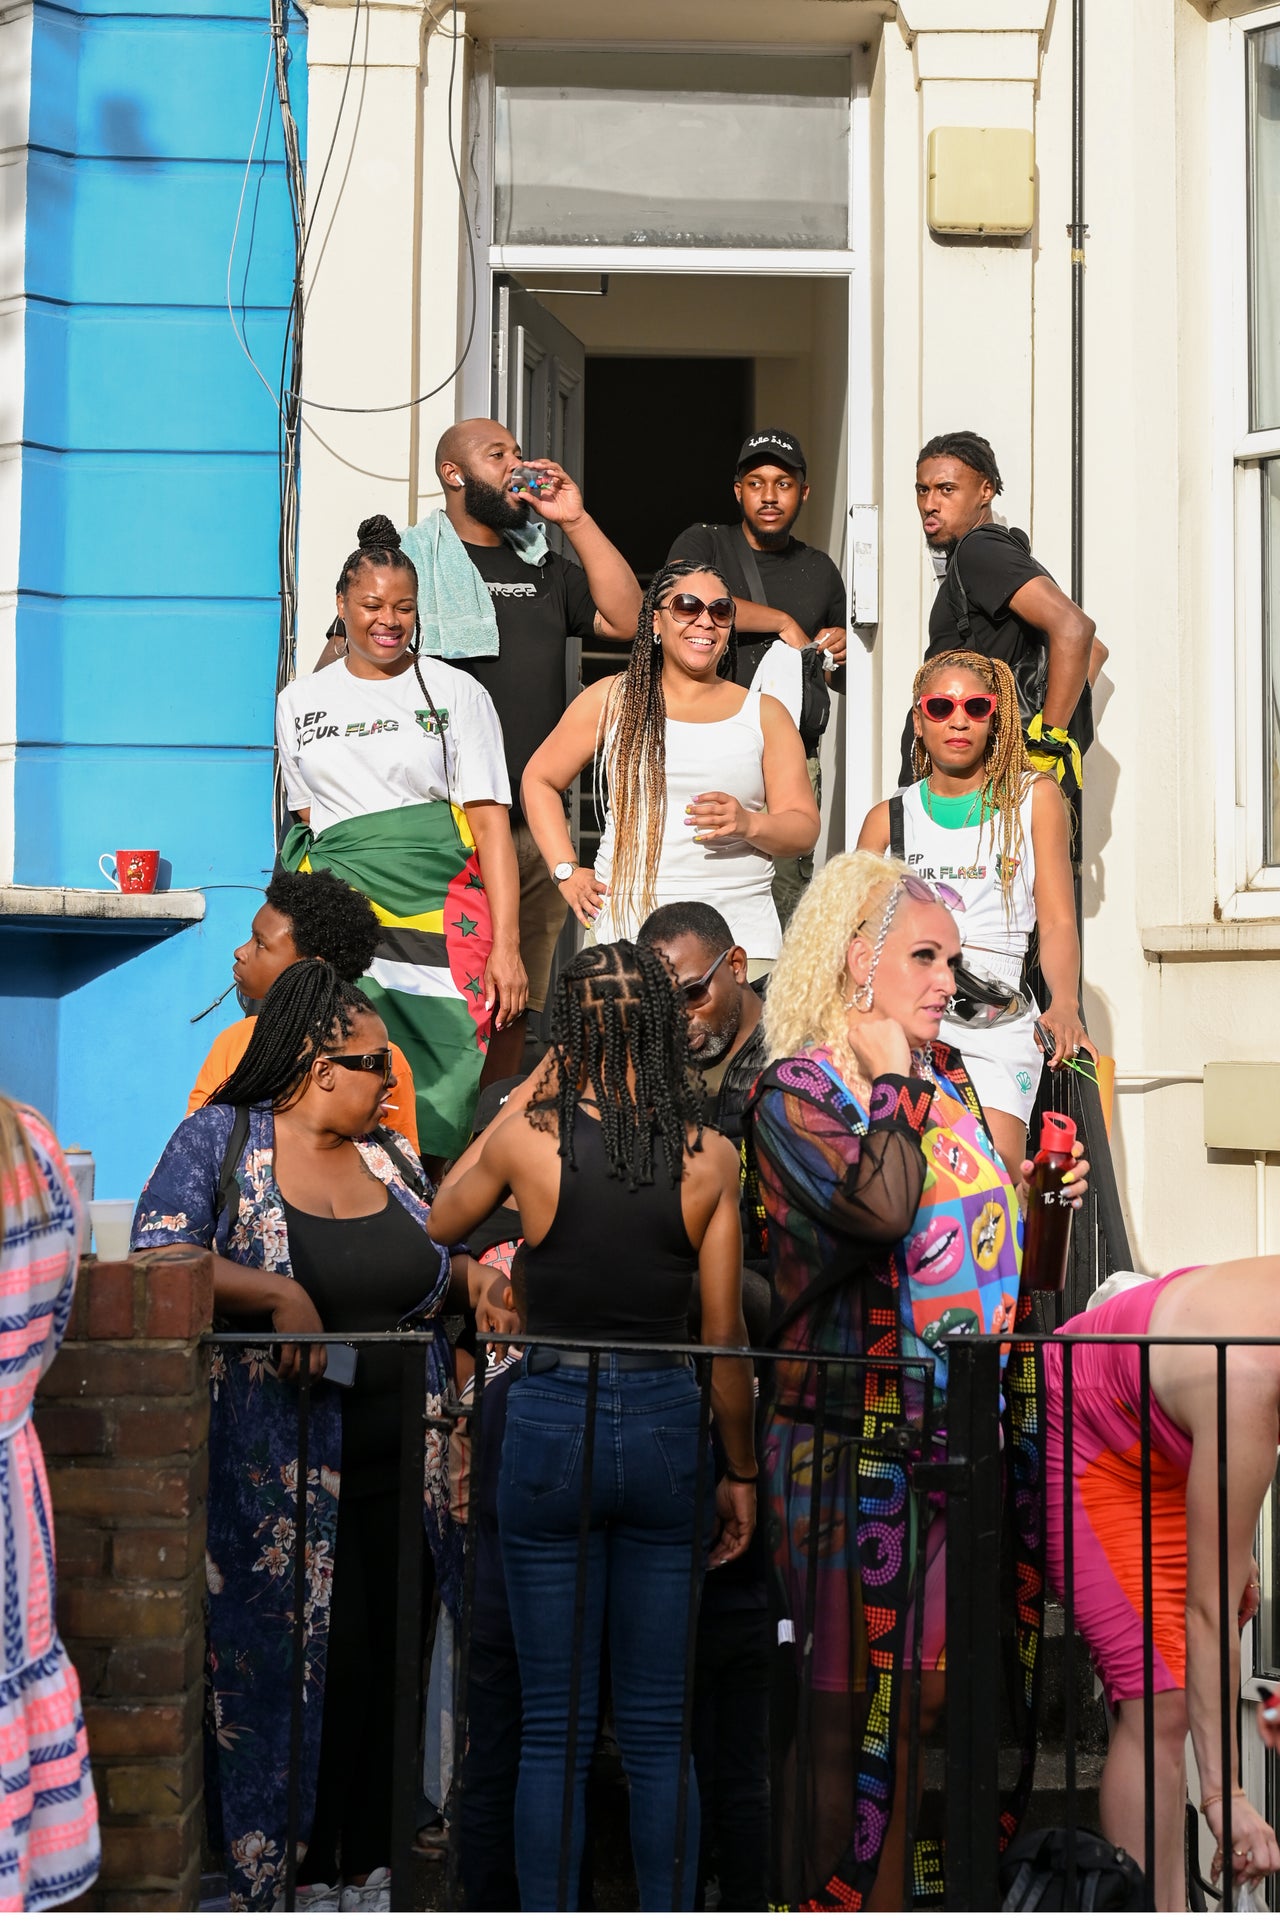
810	985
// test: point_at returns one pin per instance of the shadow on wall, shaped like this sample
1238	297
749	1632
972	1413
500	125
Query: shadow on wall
121	129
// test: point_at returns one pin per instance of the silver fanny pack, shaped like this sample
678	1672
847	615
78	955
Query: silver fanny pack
983	1001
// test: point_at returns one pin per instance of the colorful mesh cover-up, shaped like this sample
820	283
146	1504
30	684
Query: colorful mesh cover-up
49	1850
838	1181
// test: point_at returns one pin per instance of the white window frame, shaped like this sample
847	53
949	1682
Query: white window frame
1247	887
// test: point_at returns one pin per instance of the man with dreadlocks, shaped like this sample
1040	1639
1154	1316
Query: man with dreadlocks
624	1199
979	824
996	599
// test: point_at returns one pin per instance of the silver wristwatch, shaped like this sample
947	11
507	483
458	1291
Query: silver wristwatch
562	871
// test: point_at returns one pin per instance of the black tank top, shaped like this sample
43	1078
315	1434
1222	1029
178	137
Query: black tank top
365	1273
616	1264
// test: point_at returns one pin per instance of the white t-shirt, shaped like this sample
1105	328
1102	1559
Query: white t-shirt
351	747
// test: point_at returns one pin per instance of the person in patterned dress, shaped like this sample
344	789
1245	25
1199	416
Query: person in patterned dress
891	1224
49	1849
324	1227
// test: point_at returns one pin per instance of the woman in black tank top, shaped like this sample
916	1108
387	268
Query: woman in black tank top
624	1200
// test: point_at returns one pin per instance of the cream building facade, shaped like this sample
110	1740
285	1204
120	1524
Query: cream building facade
522	189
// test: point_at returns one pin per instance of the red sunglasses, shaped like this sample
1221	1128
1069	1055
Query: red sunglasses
940	708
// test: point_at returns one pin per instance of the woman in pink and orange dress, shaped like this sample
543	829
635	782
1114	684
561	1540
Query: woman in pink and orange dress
49	1850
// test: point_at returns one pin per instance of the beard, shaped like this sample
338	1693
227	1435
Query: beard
492	507
716	1043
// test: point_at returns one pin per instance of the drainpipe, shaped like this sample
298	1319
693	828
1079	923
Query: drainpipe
1078	232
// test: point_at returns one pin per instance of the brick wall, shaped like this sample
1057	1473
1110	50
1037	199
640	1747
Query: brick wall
123	1416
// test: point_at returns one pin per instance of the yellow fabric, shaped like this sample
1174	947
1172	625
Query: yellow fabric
1057	751
229	1047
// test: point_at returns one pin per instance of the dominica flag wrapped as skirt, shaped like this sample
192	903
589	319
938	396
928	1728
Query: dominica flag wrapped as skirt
417	866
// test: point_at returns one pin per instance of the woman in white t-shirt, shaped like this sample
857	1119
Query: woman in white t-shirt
980	825
707	780
393	764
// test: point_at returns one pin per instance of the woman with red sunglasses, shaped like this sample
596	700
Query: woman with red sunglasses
707	781
981	824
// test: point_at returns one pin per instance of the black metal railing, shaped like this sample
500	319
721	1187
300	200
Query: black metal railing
972	1474
973	1592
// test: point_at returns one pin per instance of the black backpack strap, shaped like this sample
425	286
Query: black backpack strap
897	828
228	1196
413	1179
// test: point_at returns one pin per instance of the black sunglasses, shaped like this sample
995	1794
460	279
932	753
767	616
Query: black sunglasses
689	607
377	1059
697	992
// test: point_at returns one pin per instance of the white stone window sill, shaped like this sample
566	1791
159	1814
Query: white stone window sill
86	911
1187	940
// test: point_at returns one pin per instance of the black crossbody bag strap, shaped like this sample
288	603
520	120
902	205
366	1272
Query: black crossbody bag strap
745	556
412	1179
228	1196
897	828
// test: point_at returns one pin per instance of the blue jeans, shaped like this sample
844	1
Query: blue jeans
640	1552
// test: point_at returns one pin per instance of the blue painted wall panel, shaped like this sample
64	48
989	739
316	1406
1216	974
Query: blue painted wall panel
114	94
208	668
147	233
182	524
207	811
146	378
147	607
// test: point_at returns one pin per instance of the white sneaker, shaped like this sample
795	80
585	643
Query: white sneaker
314	1897
375	1895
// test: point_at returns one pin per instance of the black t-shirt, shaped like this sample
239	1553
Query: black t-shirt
803	581
536	607
993	564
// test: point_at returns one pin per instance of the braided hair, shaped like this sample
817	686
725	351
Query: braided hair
617	1009
305	1011
633	733
972	449
1006	770
379	545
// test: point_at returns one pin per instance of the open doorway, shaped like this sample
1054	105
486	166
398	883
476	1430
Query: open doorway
664	375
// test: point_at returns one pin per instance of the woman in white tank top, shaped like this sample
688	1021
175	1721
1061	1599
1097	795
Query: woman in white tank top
980	822
707	781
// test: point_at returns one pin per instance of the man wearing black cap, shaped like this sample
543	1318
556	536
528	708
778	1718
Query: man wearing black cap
785	592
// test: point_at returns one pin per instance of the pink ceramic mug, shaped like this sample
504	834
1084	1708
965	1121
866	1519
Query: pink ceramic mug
135	869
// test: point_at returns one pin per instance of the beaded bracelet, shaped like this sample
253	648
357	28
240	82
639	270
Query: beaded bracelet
1216	1797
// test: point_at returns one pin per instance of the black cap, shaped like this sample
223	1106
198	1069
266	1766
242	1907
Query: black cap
491	1102
772	445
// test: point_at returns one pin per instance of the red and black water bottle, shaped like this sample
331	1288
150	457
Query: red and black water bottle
1047	1236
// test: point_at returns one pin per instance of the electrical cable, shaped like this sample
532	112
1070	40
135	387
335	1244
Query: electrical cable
294	394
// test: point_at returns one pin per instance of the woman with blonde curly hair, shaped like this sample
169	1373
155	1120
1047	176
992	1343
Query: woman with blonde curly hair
892	1223
979	822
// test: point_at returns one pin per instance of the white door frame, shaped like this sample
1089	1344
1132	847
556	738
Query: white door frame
853	265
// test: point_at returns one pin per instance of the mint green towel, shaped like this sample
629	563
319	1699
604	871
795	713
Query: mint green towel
455	609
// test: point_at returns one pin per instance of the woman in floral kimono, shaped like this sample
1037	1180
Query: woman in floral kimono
319	1225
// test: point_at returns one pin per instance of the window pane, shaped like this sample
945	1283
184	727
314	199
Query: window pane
1264	228
671	149
1271	652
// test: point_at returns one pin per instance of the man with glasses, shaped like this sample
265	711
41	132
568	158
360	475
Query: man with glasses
791	604
726	1014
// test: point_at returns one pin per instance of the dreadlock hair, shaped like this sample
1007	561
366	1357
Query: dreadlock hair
616	1008
633	737
305	1011
1005	767
17	1156
379	544
972	449
329	919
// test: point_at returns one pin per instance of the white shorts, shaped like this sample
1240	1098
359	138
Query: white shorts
1005	1062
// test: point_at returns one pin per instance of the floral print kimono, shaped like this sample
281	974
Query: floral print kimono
253	1480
